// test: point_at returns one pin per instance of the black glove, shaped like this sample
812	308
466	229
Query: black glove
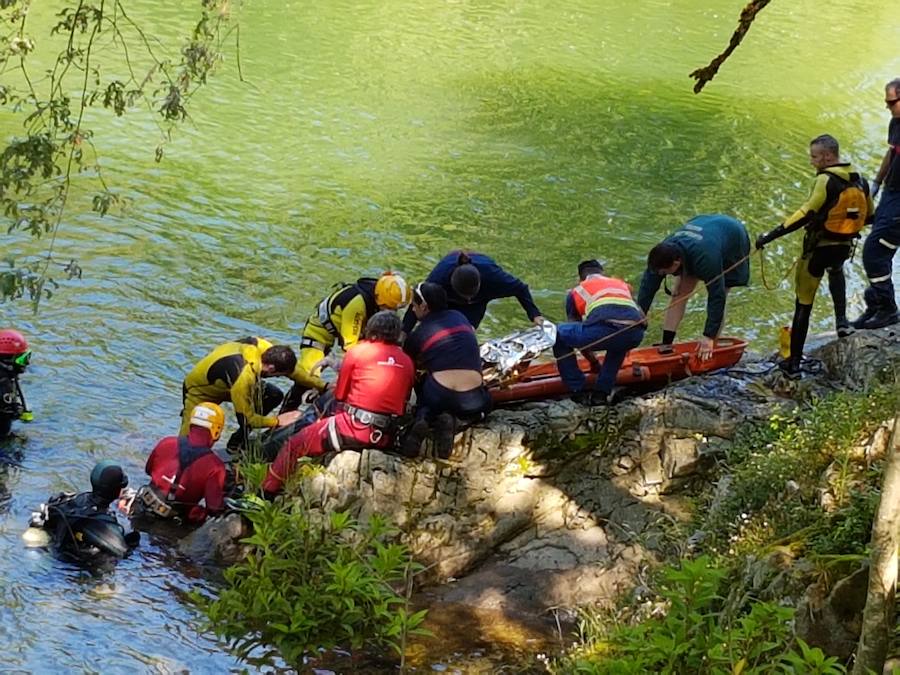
761	241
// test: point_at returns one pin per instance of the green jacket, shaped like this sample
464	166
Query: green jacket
709	245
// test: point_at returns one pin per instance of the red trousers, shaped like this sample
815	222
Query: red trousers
335	433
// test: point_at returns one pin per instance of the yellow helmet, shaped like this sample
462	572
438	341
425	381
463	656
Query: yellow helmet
209	416
391	291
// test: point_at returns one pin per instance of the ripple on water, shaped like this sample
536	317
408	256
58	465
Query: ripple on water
542	133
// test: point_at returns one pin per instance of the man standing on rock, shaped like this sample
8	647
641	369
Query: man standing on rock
714	249
883	240
838	207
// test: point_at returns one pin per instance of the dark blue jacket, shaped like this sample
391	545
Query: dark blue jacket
444	341
709	245
495	283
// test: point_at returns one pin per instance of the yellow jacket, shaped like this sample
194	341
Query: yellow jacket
232	372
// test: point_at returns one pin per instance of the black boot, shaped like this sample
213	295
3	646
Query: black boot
837	286
882	318
862	319
412	441
799	331
881	309
444	428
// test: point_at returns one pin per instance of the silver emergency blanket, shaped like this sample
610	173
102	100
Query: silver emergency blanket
503	357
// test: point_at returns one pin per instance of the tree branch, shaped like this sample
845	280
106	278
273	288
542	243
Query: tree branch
748	14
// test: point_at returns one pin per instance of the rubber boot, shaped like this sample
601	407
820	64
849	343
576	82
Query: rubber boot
799	331
837	286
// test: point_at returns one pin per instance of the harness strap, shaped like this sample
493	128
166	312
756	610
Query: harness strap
185	459
324	315
314	344
370	418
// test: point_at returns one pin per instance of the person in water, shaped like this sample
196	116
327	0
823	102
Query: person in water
14	359
471	281
602	317
81	524
341	317
884	239
838	207
234	372
372	390
184	471
714	249
444	346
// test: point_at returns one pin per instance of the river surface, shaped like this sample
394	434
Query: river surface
380	134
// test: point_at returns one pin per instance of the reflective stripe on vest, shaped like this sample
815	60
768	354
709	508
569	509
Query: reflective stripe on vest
598	290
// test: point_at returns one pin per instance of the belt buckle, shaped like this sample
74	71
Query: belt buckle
365	417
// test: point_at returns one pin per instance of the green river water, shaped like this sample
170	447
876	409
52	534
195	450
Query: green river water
370	135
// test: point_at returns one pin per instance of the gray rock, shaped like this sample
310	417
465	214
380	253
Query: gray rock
681	456
217	540
553	503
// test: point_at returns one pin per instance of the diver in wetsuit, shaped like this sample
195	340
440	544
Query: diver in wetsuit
81	525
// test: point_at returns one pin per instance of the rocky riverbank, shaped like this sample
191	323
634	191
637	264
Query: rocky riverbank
553	504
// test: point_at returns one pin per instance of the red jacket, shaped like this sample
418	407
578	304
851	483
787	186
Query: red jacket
376	376
204	478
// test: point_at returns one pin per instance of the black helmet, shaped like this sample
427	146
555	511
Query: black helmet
108	479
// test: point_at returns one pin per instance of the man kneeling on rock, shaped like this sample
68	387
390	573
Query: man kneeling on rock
372	389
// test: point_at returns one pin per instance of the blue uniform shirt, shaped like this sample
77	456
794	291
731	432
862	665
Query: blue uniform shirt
444	341
495	283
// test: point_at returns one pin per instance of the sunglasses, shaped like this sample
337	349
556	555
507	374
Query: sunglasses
23	359
889	102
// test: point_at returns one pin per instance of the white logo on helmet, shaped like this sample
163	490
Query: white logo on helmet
203	417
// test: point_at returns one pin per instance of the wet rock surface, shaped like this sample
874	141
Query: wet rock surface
555	504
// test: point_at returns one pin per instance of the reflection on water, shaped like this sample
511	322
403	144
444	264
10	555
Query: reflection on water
382	134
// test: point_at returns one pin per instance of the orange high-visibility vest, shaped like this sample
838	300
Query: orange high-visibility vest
598	290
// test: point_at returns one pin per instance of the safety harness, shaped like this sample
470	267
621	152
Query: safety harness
364	286
161	502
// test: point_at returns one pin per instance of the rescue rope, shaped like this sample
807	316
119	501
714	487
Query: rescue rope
762	272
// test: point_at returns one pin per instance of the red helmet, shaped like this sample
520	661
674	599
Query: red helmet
12	342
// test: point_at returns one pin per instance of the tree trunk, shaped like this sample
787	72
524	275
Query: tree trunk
879	612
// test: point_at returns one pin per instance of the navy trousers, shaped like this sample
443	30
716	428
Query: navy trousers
879	250
594	337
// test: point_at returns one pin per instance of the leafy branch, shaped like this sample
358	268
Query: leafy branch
57	147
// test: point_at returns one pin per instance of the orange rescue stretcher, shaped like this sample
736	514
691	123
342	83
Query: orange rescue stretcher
645	366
